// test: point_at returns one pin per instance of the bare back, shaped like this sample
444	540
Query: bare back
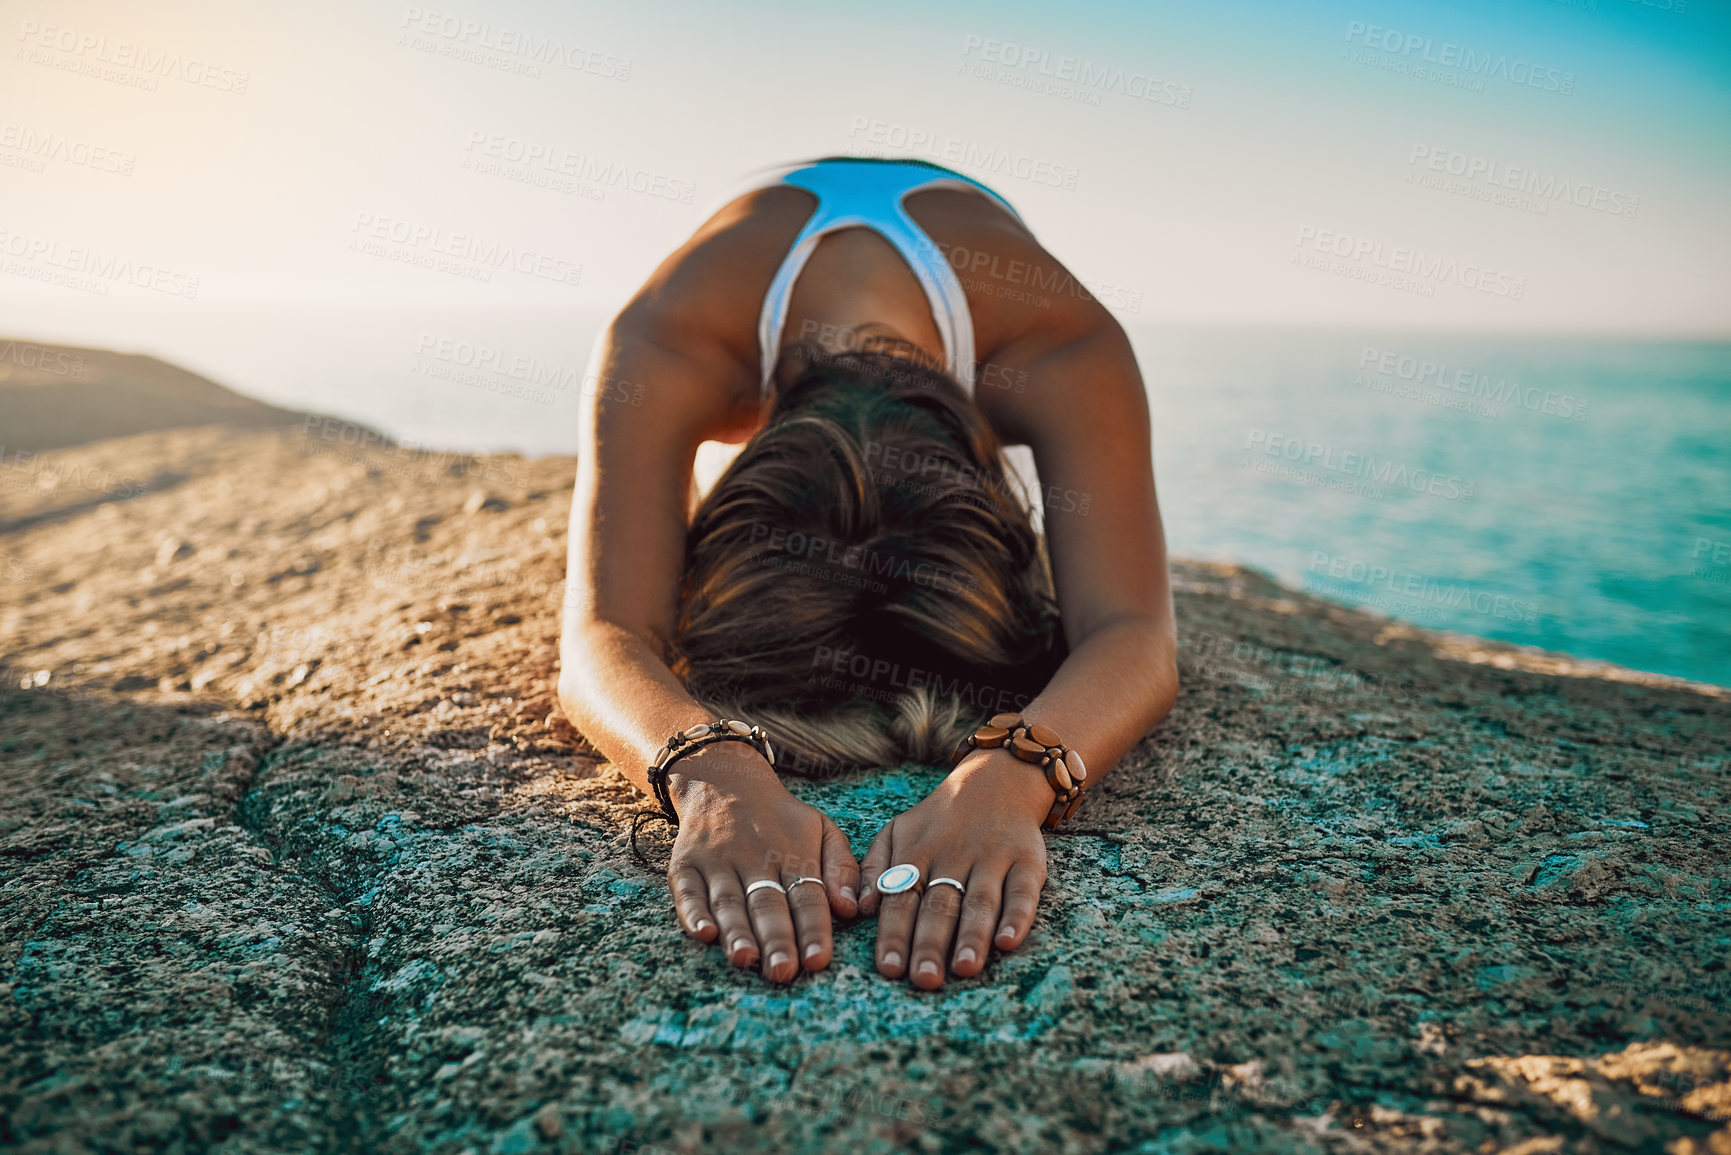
1020	296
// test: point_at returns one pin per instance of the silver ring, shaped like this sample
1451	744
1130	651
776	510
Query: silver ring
806	878
763	882
946	882
902	876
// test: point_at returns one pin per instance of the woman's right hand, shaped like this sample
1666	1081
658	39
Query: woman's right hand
738	825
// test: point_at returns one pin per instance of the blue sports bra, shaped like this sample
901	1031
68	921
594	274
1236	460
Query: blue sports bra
853	192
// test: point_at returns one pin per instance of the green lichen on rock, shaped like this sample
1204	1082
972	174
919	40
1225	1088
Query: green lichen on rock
298	855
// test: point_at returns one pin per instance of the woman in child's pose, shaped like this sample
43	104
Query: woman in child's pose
864	584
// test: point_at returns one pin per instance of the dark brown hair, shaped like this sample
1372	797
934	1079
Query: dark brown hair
864	580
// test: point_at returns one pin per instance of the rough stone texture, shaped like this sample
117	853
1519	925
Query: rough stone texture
298	855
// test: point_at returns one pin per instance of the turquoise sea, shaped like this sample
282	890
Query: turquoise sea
1563	493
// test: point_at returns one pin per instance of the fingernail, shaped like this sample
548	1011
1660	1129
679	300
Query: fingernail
928	968
813	951
847	893
740	946
892	959
1006	931
778	960
703	924
966	955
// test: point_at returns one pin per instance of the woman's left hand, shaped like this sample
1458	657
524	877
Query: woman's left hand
981	827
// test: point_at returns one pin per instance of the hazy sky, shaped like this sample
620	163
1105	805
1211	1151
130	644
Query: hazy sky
171	177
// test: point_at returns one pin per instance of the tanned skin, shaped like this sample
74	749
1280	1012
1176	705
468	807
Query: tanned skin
1056	374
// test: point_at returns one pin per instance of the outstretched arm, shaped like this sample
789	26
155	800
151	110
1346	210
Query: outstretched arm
627	547
1086	419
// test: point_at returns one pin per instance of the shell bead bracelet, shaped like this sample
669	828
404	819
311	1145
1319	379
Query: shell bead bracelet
694	738
1066	773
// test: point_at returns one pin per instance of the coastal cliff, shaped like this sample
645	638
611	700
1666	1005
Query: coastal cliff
297	853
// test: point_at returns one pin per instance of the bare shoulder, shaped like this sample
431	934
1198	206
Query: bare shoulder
1051	355
1068	368
709	289
689	334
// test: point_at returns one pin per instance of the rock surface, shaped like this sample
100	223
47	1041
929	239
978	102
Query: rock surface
296	853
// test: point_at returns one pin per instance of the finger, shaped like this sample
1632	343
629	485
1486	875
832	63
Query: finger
690	903
877	860
774	927
896	914
979	919
840	872
939	908
809	904
727	903
1021	896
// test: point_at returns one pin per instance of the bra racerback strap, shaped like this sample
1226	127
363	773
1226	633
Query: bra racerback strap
871	194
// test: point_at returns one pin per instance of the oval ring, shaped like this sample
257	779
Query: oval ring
946	882
902	876
763	882
805	878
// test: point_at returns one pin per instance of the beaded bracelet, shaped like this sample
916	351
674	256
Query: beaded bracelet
695	738
1065	772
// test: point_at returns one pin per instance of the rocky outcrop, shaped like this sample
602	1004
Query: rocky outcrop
52	396
298	854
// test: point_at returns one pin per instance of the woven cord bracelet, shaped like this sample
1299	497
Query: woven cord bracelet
695	738
1065	772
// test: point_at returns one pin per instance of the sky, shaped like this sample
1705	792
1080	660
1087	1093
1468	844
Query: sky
326	201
